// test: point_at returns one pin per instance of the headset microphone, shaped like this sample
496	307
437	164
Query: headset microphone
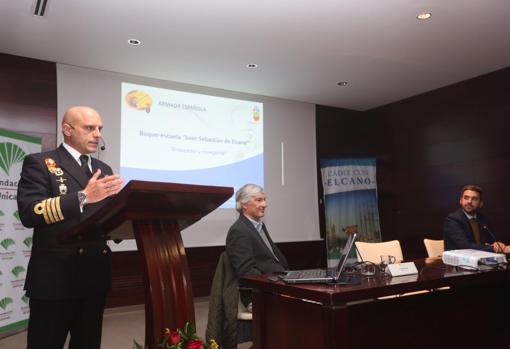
103	147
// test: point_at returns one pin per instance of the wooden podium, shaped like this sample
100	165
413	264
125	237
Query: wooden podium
154	214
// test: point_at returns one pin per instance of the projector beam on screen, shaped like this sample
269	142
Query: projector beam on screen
183	137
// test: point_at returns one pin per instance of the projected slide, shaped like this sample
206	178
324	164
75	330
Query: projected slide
181	137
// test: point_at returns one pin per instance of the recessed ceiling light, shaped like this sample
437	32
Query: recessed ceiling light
252	65
424	16
40	8
342	83
134	42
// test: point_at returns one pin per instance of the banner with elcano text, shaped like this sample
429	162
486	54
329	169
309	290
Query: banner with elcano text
350	198
15	239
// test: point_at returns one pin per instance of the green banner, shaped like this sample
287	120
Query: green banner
15	239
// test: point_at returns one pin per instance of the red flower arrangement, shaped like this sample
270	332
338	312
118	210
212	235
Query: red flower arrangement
182	339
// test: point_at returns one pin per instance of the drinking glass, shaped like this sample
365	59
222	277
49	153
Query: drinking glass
385	261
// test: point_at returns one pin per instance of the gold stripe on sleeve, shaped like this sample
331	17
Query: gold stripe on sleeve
39	209
59	209
54	210
49	211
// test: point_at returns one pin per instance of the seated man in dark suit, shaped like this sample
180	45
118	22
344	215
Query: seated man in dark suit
468	228
249	246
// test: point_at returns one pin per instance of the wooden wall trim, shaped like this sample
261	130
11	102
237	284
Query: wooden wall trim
28	98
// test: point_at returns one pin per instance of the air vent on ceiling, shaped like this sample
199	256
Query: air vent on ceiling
40	8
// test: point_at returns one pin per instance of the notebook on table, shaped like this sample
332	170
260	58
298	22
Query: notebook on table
334	275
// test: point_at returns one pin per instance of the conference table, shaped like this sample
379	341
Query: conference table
441	306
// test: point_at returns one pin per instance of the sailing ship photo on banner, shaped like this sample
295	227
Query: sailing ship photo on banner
350	203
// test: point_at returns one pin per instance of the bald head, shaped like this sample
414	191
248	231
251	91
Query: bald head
77	113
81	127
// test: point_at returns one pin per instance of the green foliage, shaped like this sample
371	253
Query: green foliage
136	345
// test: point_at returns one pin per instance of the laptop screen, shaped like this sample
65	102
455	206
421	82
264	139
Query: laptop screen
345	253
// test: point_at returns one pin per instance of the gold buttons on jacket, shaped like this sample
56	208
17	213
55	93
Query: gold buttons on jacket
105	251
81	250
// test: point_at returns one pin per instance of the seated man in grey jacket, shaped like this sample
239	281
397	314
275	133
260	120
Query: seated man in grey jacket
249	247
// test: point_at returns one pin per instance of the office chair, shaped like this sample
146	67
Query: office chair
372	251
435	248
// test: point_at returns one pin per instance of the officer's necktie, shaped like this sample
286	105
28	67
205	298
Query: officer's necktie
85	165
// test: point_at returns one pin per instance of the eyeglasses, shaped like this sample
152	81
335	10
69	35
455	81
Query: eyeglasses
87	128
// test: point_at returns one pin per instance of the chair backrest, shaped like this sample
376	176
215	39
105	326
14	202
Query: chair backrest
372	251
435	248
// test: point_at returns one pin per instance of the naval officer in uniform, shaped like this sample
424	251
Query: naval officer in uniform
66	283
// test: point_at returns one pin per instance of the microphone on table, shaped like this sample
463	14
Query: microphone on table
486	228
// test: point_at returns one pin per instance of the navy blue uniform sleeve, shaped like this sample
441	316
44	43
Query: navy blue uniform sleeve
38	203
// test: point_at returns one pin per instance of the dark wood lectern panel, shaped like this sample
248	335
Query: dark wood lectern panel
168	297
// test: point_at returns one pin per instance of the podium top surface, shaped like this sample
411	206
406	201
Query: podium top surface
144	200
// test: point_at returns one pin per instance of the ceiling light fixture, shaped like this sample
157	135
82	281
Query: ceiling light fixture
134	42
252	65
342	83
424	16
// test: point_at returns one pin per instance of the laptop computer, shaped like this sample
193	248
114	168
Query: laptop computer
310	276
